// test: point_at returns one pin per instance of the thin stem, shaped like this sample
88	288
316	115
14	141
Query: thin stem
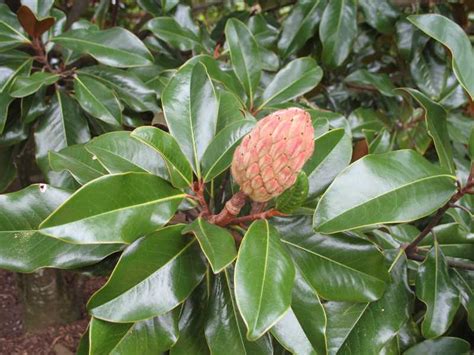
411	249
451	262
231	209
253	217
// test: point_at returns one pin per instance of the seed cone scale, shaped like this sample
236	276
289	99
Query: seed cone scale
268	160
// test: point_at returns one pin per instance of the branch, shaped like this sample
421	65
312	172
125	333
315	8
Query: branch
231	209
253	217
411	249
451	262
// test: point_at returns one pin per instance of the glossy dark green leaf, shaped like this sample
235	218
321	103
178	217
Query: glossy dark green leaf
225	330
337	31
218	155
245	56
231	109
265	33
394	187
151	336
464	281
381	82
380	14
115	47
164	263
294	197
295	79
11	33
7	168
436	121
190	106
129	88
192	324
264	276
440	346
216	242
98	100
337	267
170	31
118	152
114	209
61	126
303	329
27	85
332	153
380	321
451	35
299	26
435	288
364	119
78	161
24	249
179	169
9	70
341	319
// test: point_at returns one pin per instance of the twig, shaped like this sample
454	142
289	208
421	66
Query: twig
230	210
253	217
115	8
411	249
199	189
451	262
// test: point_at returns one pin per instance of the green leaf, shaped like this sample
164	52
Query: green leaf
464	281
24	249
190	106
164	263
290	334
170	31
218	155
299	26
380	14
295	79
440	346
245	56
179	169
394	187
448	33
225	330
114	209
264	275
333	152
216	242
27	85
342	317
435	288
264	32
381	82
380	321
291	199
98	100
7	168
40	8
11	33
128	87
231	109
303	328
329	263
9	70
191	324
115	47
151	336
436	121
118	152
61	126
337	31
78	161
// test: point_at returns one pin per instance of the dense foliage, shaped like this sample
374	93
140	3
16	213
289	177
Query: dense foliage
132	129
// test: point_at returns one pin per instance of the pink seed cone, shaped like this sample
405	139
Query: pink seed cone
270	157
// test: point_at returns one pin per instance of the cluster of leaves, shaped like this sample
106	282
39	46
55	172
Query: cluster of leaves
134	135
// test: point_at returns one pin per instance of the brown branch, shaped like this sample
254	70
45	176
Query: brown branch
412	248
253	217
451	262
199	190
231	209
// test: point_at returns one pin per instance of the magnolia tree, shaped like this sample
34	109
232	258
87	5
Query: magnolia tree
240	197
